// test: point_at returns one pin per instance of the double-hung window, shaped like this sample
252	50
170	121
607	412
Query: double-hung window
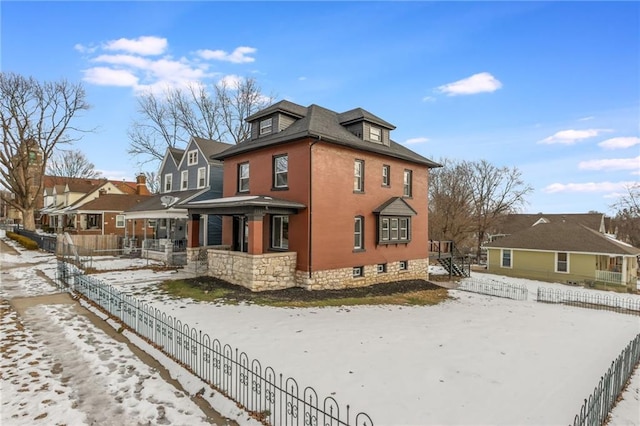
375	134
243	177
506	258
280	232
120	221
394	229
168	182
562	262
281	171
266	126
386	175
358	234
358	176
202	177
408	177
184	180
192	157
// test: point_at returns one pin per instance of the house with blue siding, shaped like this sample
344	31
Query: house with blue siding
186	175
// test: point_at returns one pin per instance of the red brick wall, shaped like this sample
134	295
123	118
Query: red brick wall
334	203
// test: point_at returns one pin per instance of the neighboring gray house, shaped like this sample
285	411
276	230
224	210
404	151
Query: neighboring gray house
185	175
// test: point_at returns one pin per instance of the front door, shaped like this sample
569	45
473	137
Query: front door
240	233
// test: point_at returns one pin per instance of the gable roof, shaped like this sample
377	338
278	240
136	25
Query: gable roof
563	237
395	206
209	147
112	202
86	185
323	124
155	202
512	223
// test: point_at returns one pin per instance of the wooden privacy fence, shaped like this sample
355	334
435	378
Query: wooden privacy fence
99	244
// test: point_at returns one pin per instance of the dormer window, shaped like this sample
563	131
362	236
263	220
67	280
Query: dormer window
192	157
375	134
266	126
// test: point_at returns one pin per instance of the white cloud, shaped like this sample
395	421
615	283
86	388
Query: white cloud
589	118
110	77
134	67
569	137
586	187
414	141
428	99
126	60
144	45
619	143
303	78
230	81
477	83
611	164
84	49
239	56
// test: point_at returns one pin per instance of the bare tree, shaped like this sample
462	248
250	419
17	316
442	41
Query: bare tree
496	191
450	209
153	182
71	163
170	119
627	218
35	117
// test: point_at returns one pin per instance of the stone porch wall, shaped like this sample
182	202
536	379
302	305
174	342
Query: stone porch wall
269	271
335	279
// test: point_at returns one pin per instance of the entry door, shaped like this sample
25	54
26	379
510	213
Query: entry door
240	233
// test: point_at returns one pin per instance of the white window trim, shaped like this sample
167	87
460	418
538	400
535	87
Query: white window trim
184	180
407	183
359	233
386	172
168	183
375	134
381	268
273	234
358	272
358	176
192	157
240	179
276	173
557	260
502	265
403	265
118	220
266	126
202	176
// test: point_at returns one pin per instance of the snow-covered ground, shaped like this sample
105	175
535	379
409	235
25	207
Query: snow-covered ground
471	360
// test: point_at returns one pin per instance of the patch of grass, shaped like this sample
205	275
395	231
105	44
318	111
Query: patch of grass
194	289
407	293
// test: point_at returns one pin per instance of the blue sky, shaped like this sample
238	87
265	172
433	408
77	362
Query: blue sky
552	88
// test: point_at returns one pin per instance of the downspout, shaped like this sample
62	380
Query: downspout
310	245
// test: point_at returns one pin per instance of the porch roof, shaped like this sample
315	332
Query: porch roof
247	204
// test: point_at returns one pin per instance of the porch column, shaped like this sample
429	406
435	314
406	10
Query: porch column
255	233
193	231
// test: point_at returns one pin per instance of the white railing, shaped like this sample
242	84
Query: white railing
609	277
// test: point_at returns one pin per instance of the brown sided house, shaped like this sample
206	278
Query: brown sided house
319	199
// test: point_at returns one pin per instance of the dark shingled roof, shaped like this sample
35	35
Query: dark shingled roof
210	147
563	237
512	223
113	202
318	122
155	202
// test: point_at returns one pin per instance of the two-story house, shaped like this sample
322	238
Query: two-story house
319	199
185	175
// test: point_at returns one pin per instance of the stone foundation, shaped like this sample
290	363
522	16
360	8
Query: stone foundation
336	279
269	271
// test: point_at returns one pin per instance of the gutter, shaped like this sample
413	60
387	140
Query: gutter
310	204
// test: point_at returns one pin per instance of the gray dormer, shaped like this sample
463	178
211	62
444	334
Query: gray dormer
275	118
366	126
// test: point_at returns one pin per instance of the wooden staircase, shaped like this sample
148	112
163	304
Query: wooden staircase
450	258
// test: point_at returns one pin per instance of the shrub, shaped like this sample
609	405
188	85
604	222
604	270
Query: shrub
25	242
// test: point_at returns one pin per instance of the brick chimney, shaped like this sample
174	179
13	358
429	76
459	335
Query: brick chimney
141	185
102	192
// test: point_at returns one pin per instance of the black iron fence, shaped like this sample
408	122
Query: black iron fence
45	242
596	408
494	288
593	300
274	399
